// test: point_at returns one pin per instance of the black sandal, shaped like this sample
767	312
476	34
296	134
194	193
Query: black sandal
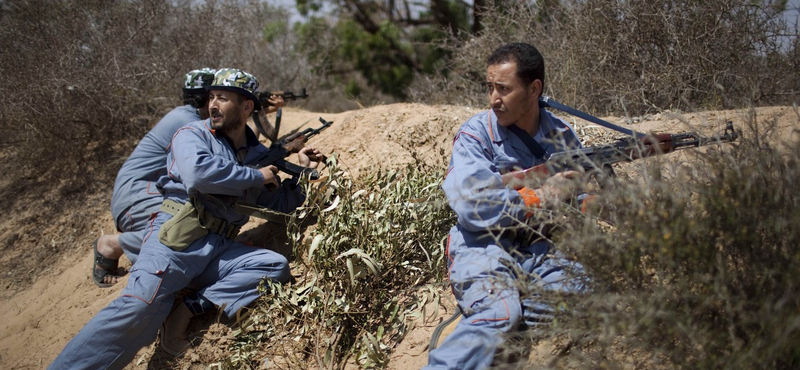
104	267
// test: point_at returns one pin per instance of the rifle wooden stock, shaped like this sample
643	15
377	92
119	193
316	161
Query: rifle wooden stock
293	145
518	179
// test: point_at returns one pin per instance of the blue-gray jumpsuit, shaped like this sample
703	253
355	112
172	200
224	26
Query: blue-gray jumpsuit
135	196
484	267
199	164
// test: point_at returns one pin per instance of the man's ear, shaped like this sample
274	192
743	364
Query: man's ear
536	88
248	107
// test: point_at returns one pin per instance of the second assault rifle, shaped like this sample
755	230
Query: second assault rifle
263	96
600	158
279	150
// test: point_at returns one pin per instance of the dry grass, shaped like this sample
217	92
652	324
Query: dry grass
632	58
700	269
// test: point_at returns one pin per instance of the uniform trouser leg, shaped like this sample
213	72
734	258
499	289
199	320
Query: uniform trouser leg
114	336
135	222
546	271
488	283
232	279
485	290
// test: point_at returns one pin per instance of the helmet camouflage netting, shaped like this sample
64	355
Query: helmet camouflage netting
236	80
198	78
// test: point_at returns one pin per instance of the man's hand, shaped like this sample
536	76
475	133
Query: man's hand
309	157
559	187
270	175
275	102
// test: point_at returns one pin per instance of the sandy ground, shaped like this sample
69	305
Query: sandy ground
37	322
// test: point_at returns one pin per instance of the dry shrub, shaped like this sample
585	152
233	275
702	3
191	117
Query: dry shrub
85	70
699	268
365	273
626	57
87	79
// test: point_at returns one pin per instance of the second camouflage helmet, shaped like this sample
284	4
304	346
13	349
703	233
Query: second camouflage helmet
198	79
236	80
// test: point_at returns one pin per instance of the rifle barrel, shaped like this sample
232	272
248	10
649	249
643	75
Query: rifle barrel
624	150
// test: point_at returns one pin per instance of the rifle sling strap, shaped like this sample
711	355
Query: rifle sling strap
535	148
219	226
255	210
259	126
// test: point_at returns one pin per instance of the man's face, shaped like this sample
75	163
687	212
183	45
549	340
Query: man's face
225	109
511	100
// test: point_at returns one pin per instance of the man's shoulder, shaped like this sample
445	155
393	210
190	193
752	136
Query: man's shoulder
554	118
179	115
197	126
478	123
187	111
562	128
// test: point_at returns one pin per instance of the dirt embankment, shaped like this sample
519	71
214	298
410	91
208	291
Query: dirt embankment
38	321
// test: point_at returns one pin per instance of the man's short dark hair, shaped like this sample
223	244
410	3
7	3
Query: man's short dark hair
530	63
197	99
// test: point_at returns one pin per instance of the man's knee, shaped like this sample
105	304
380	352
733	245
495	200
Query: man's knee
274	265
283	273
498	312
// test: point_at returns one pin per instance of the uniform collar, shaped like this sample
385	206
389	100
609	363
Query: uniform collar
499	133
252	139
207	124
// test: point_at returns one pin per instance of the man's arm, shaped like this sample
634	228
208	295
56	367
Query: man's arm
288	196
193	163
475	189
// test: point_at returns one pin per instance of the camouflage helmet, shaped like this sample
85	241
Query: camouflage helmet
198	79
238	81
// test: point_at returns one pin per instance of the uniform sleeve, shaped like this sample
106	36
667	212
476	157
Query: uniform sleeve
202	172
475	190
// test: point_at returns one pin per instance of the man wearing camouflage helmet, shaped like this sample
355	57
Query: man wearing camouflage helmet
135	197
209	170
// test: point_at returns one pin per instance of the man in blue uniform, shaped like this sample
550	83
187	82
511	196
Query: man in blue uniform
489	263
190	242
135	197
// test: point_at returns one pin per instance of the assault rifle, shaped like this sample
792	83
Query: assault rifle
600	158
264	96
292	144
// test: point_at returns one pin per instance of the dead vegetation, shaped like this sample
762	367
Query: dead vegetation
708	281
